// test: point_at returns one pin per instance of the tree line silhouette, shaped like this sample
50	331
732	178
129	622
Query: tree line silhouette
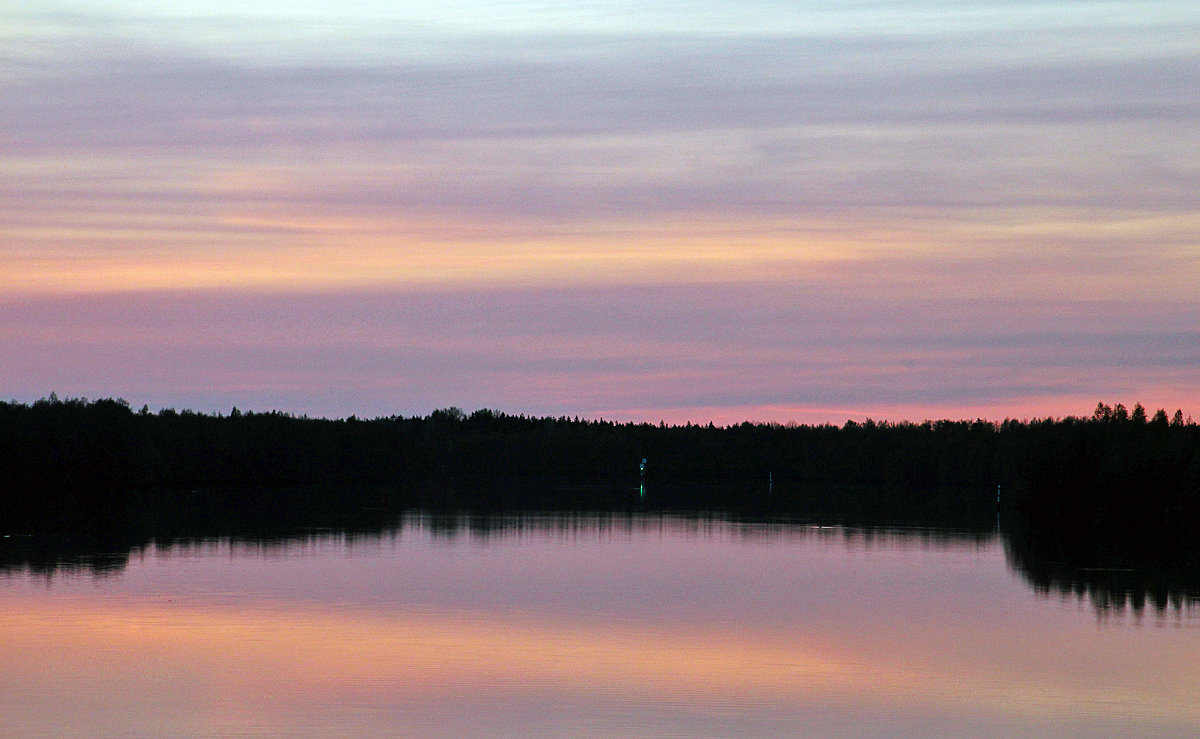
1117	466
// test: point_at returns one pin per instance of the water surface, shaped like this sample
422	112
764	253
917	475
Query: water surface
586	624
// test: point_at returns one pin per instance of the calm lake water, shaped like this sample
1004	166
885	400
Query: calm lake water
587	625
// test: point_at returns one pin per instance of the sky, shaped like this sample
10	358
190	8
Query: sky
710	211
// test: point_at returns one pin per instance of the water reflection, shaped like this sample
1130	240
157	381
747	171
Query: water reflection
1112	572
574	622
1115	571
47	556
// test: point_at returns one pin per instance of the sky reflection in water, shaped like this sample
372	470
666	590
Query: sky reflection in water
584	626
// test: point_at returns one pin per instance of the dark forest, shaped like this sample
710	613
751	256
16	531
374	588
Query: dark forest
1118	465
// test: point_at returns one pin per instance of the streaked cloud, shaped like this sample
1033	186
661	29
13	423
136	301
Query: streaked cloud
610	207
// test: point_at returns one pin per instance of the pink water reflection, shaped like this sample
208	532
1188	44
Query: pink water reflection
642	628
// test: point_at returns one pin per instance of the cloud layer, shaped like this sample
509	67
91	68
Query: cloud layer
633	211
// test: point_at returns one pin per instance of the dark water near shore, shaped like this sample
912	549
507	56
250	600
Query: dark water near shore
624	622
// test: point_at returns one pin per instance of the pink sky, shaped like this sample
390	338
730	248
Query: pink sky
773	214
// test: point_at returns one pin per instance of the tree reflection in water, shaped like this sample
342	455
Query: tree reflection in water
1114	570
